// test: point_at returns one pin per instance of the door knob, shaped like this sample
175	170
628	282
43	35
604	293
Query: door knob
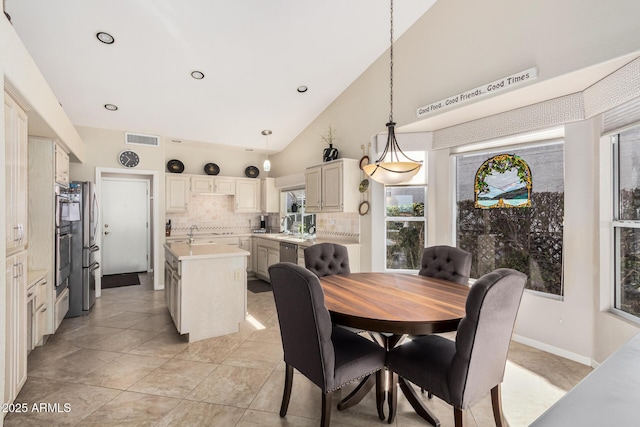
106	232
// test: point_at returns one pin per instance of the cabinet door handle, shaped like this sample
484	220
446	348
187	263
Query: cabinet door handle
29	294
43	310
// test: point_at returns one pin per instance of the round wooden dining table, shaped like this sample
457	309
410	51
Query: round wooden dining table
391	306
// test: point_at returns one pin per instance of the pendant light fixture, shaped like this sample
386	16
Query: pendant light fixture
393	166
266	166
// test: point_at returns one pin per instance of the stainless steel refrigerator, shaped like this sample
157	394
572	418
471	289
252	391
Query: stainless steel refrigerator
83	216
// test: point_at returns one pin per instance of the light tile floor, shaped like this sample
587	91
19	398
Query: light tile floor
125	365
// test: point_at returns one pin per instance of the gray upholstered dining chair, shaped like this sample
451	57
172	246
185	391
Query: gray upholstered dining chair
446	262
462	371
326	259
329	356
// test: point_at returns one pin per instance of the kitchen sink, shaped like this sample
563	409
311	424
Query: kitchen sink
293	239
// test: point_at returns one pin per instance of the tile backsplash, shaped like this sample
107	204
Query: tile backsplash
215	214
338	225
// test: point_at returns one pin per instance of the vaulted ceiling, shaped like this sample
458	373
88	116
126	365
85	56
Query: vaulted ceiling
254	55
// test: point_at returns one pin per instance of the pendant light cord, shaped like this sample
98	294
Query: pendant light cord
391	65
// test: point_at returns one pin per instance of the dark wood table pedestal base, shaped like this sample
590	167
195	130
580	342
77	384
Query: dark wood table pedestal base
363	389
413	398
387	383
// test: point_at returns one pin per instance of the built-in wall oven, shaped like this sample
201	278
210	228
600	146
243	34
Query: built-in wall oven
63	240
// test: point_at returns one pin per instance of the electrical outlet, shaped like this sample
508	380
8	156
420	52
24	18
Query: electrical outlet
238	275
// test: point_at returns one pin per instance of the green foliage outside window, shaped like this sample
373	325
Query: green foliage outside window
405	239
526	239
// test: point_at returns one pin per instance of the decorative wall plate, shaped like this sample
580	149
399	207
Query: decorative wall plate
211	169
364	184
175	166
363	209
252	172
364	161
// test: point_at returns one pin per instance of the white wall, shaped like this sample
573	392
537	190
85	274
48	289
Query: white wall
22	74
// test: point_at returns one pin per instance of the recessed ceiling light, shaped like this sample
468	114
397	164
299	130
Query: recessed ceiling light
177	141
248	149
198	75
266	132
105	38
302	89
111	107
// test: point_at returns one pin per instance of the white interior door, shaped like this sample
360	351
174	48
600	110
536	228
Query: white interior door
125	225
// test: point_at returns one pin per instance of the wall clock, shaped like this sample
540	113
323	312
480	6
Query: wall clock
129	159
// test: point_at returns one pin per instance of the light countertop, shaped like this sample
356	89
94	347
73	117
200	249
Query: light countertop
281	237
185	251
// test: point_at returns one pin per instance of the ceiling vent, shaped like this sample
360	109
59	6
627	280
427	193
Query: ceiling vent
140	139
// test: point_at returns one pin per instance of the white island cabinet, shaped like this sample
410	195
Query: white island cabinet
206	288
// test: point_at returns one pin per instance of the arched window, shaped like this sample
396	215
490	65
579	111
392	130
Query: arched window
503	181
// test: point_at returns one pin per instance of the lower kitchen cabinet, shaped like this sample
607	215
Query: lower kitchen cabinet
268	254
16	325
61	308
245	244
172	292
205	289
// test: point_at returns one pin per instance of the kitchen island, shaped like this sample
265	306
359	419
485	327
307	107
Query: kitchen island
205	288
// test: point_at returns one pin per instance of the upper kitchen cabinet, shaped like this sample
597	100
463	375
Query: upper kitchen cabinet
202	184
222	185
176	193
15	127
270	200
212	185
247	195
332	186
62	166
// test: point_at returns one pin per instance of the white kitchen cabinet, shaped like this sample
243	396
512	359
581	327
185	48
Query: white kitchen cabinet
16	325
202	184
268	252
41	248
245	244
61	166
38	310
262	270
173	289
254	255
313	189
224	185
61	307
247	198
176	193
269	195
207	291
333	187
15	127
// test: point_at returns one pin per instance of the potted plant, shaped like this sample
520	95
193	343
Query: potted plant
329	153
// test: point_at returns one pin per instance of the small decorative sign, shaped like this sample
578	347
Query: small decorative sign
500	85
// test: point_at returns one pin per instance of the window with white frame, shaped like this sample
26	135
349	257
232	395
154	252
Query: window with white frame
405	226
508	226
626	223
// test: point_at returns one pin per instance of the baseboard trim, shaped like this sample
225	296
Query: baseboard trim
554	350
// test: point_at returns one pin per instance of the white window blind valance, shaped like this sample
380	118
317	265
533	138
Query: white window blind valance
410	141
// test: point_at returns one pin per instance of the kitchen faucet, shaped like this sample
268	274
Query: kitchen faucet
191	239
